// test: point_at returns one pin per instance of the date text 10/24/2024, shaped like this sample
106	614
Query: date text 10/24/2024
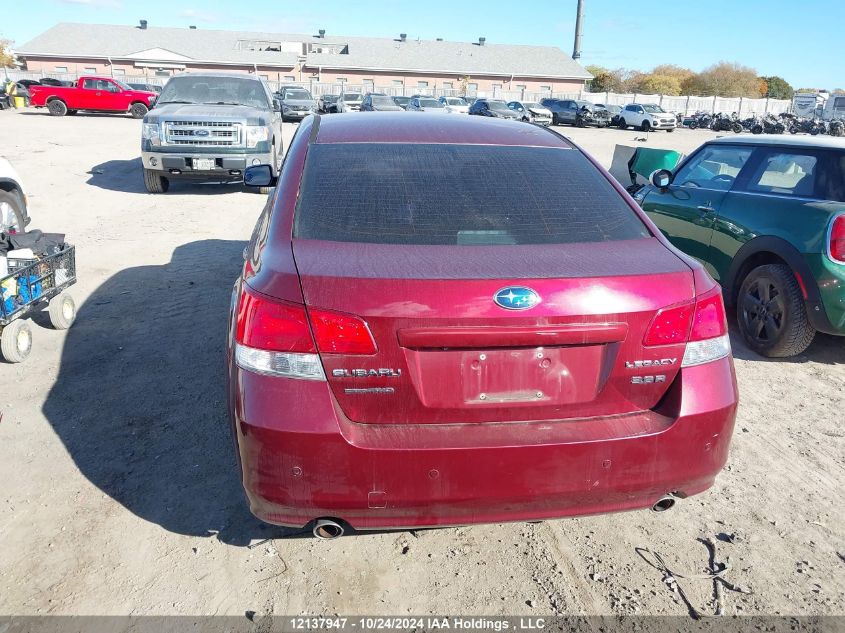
406	623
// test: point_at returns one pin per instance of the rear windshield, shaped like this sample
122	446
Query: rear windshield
458	194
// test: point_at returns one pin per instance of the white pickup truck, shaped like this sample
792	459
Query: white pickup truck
13	213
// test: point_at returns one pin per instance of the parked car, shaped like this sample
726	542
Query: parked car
297	103
373	352
766	216
532	112
327	103
646	116
612	111
26	83
402	102
425	104
147	87
455	104
208	126
379	102
564	110
493	108
349	102
101	94
14	215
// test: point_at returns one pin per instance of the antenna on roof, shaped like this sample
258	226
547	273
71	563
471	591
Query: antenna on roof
143	25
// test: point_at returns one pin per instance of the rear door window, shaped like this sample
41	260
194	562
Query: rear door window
458	194
714	167
785	173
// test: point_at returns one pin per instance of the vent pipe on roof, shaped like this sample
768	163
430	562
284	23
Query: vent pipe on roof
144	25
439	39
579	24
403	37
322	32
481	41
192	27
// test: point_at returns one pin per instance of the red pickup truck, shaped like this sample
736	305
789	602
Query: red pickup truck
102	94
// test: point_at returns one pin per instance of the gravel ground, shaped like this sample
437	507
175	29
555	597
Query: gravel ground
119	491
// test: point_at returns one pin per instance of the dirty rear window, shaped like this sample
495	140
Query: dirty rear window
458	194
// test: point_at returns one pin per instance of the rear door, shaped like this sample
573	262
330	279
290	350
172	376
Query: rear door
518	288
687	210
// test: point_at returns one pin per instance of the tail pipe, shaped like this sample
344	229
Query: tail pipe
664	503
327	529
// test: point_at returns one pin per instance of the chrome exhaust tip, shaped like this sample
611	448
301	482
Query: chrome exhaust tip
663	504
327	529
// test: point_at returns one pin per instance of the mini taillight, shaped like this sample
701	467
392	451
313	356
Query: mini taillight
701	324
338	333
836	246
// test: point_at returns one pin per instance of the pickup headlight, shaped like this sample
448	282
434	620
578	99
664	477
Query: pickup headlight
151	132
255	134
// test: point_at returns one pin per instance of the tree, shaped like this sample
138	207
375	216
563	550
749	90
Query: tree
777	88
7	59
726	79
658	84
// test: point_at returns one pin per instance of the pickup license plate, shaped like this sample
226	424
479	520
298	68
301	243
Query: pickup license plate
204	164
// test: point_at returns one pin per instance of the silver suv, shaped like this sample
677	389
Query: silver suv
210	126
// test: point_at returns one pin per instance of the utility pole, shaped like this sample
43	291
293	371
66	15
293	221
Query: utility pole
579	24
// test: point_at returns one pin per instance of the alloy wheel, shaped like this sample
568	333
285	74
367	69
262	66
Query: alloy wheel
762	310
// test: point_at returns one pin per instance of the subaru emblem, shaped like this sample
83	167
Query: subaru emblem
516	298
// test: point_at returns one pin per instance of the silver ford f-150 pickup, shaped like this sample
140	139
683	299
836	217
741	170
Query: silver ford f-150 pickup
210	126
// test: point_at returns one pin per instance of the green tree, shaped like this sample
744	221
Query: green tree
7	60
777	88
658	84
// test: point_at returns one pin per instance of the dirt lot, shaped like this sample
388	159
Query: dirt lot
119	491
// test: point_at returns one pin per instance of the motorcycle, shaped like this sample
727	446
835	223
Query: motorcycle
836	127
700	120
770	124
726	123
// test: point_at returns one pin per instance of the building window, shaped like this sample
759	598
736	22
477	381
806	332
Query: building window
398	83
520	86
341	80
422	85
162	73
290	78
472	88
89	71
447	85
118	72
369	85
61	69
545	88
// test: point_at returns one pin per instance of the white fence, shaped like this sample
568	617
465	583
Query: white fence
682	104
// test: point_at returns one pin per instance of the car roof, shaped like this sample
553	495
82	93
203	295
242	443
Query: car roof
223	75
788	141
433	128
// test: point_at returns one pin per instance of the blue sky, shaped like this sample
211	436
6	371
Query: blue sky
799	41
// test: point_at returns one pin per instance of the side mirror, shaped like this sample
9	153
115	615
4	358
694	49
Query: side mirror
661	178
259	176
277	105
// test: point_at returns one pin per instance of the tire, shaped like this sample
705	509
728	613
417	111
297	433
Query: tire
16	341
771	313
670	130
693	125
814	131
737	128
62	311
155	182
757	129
645	126
138	110
579	122
57	107
12	212
622	124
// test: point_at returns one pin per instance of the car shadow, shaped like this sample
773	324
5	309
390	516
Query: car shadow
126	176
140	399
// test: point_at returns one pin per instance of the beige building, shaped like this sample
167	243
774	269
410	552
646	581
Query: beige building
323	62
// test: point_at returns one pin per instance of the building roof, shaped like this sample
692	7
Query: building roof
179	45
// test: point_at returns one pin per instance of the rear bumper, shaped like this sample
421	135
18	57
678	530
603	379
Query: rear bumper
301	459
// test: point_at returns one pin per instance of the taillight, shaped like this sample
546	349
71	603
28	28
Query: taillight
273	338
702	324
836	244
338	333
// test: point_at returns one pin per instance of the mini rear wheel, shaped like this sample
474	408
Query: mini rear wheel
16	341
771	313
62	311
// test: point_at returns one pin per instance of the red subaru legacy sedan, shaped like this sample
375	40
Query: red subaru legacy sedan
452	320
